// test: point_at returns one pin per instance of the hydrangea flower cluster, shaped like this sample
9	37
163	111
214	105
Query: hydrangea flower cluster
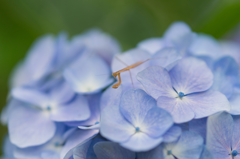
177	98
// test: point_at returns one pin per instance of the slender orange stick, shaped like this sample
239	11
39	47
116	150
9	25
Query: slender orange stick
115	74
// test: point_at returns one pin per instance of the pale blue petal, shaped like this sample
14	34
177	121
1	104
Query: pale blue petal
166	58
157	122
8	149
206	154
176	30
236	134
172	134
232	49
78	137
49	155
129	58
219	134
110	150
29	152
156	82
101	43
153	45
181	110
76	110
89	74
234	103
30	127
208	103
134	106
189	146
156	153
205	45
199	126
191	75
31	96
141	142
80	152
8	109
40	58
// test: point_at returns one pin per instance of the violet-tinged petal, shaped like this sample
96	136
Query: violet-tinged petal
236	134
129	58
89	74
153	45
49	155
31	96
176	30
234	104
40	58
166	58
76	110
30	127
191	75
134	106
156	82
207	103
189	146
205	45
101	43
110	150
80	152
29	152
199	126
152	154
141	142
180	109
78	137
172	134
219	134
206	154
157	122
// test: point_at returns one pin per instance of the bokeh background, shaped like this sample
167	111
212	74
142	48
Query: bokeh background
129	21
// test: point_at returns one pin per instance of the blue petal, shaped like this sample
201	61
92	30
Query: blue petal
49	155
153	45
199	126
232	49
205	45
89	74
40	58
172	134
129	58
206	154
191	75
8	149
156	82
152	154
141	142
102	44
76	110
80	152
113	125
77	138
189	146
166	58
135	105
219	134
30	127
110	150
234	103
236	134
156	122
31	96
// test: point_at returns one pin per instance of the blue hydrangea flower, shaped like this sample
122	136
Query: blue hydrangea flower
182	90
43	109
223	136
189	146
199	126
134	119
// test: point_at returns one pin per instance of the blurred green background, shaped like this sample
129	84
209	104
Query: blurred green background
129	21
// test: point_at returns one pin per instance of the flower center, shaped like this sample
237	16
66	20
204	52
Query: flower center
97	123
234	152
169	152
181	94
49	108
137	129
